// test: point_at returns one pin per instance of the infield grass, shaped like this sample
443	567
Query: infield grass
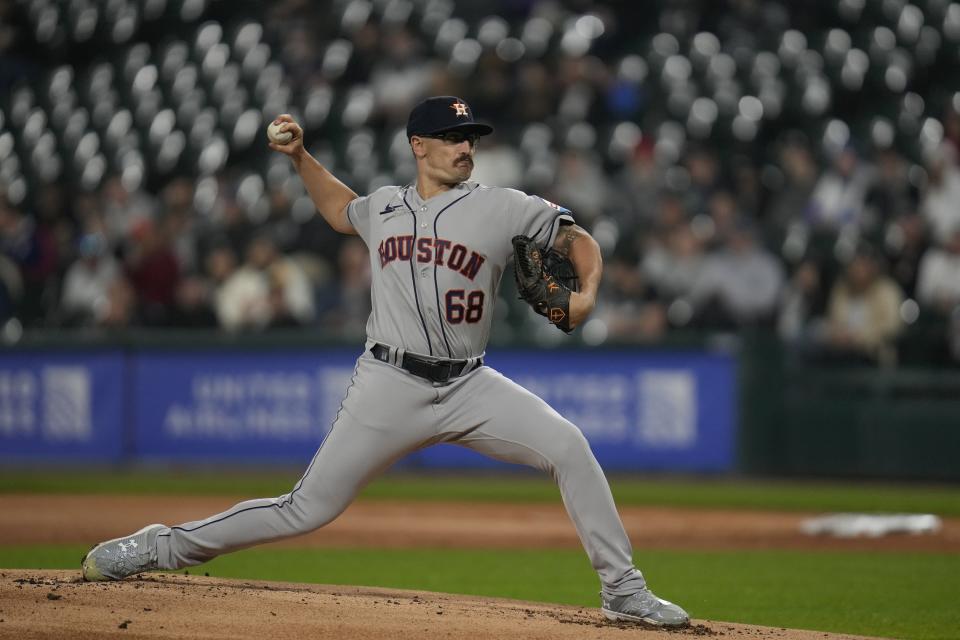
897	595
691	492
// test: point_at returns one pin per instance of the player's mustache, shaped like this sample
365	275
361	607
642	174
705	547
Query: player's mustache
464	159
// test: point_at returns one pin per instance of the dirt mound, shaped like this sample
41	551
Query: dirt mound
55	604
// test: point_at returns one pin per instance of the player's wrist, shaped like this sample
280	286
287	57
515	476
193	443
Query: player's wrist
581	306
297	156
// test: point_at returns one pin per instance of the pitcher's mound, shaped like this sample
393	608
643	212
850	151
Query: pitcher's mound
56	604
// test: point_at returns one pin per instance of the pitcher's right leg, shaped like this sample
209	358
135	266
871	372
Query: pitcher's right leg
351	455
377	424
381	419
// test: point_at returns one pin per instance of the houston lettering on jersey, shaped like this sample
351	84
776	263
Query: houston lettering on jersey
441	252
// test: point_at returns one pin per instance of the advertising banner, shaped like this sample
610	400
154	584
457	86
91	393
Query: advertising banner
56	405
639	410
254	406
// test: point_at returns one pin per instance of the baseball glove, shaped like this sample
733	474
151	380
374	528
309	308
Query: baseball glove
544	280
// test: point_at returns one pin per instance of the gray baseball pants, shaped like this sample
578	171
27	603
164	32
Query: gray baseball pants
388	413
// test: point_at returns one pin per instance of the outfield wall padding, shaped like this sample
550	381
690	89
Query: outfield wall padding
640	411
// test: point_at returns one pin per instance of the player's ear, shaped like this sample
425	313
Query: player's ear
417	146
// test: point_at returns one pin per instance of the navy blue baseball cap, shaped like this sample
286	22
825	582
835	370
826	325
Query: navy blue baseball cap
440	114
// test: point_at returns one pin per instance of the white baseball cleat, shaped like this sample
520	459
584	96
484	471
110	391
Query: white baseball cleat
644	606
121	557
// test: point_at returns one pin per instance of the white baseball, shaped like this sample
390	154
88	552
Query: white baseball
277	136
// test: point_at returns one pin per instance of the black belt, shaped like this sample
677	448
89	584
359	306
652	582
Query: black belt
435	370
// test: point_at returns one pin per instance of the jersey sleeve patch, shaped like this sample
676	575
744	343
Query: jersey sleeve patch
554	205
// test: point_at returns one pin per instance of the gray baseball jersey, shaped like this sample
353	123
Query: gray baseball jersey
437	266
437	263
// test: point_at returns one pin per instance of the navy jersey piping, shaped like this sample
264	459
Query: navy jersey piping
289	500
436	284
550	224
413	274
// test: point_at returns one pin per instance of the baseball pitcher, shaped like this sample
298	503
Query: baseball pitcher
438	249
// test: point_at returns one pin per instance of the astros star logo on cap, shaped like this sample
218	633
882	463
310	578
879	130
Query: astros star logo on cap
460	108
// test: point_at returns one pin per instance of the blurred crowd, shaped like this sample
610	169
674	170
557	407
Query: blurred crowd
726	191
116	258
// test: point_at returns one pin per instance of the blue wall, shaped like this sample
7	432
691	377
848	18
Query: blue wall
639	410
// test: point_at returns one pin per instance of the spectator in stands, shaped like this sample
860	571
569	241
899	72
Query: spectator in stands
366	52
279	223
671	211
220	264
300	51
863	312
938	287
581	186
951	126
746	186
291	292
673	266
56	238
11	289
724	216
640	182
93	283
268	290
839	195
789	201
400	74
738	285
704	172
14	67
86	219
706	182
497	163
315	237
18	239
892	194
243	297
29	251
193	308
536	96
941	195
178	222
153	271
905	244
349	297
802	306
490	89
122	208
232	224
577	79
628	306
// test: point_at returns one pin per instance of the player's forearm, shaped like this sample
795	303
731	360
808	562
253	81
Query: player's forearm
584	253
329	195
583	302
